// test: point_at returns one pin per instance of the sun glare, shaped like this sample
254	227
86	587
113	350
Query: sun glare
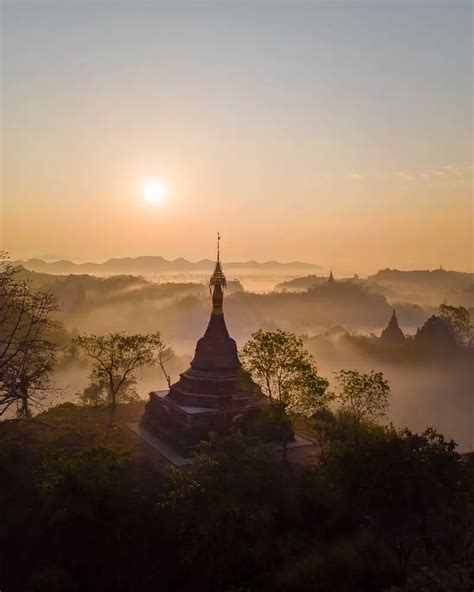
154	191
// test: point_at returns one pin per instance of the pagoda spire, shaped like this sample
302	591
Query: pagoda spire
392	332
217	282
331	279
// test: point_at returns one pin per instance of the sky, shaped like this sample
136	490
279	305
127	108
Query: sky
338	133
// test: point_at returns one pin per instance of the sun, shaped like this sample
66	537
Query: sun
154	191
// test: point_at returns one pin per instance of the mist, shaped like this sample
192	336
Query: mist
340	326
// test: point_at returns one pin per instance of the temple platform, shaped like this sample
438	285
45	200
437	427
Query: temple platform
300	450
159	445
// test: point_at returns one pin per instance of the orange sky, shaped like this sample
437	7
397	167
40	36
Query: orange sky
335	134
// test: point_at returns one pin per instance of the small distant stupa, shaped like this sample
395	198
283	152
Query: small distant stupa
331	279
215	393
392	334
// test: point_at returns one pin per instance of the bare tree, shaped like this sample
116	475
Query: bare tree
164	355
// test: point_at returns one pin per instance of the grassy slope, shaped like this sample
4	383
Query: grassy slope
68	428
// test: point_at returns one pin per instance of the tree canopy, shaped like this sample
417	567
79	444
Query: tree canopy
363	396
116	358
285	371
393	513
459	320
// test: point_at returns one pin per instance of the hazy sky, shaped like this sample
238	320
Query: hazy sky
333	132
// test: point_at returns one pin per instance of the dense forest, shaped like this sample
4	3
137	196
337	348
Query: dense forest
86	507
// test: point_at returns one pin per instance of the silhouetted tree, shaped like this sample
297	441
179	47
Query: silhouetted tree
229	501
363	396
97	393
83	508
458	318
117	357
410	490
164	355
29	378
279	363
27	352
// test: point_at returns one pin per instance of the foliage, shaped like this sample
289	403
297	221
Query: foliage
459	320
52	579
92	471
230	501
117	357
83	507
356	563
98	393
272	424
310	394
410	490
453	578
27	352
285	371
363	396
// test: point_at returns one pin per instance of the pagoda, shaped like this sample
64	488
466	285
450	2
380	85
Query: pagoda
392	334
215	393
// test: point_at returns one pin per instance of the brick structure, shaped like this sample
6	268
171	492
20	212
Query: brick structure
214	394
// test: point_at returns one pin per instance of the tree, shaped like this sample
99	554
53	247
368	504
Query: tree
27	352
29	378
363	396
410	490
165	353
98	393
232	500
458	319
310	395
117	357
279	363
285	371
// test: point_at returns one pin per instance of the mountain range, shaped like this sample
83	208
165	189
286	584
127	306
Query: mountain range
155	264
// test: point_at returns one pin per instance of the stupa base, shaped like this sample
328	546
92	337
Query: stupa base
184	427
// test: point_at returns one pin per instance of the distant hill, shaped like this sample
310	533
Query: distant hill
301	284
78	292
440	277
155	264
425	286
